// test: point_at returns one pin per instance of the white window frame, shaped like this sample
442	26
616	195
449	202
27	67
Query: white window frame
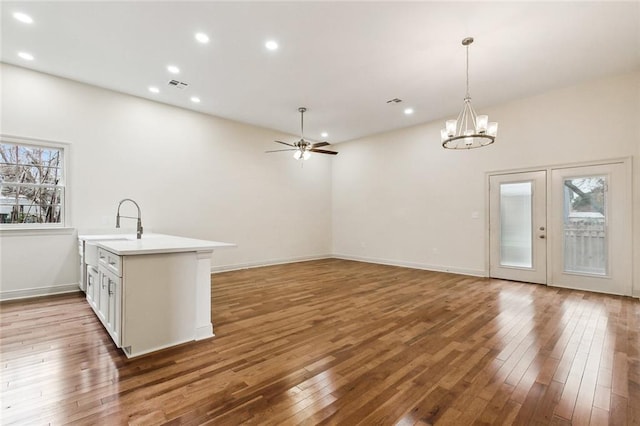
63	184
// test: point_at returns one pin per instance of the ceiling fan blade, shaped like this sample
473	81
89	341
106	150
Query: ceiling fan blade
280	150
319	144
284	143
323	151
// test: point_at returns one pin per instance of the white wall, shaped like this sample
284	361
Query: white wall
193	175
400	198
395	198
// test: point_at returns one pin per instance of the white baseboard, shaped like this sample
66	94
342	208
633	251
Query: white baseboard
427	267
414	265
270	262
38	291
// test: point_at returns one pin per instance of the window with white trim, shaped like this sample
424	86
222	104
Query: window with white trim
32	182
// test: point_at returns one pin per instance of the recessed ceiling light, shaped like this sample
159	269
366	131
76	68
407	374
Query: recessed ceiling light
195	99
173	69
23	17
26	56
324	134
271	45
408	111
154	89
202	38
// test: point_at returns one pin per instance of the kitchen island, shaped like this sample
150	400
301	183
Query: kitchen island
149	293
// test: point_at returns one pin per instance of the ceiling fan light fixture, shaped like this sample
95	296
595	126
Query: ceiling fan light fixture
202	38
271	45
303	149
23	17
301	154
26	56
469	130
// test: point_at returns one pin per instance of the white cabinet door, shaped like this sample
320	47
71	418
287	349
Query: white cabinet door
103	299
92	286
109	301
113	316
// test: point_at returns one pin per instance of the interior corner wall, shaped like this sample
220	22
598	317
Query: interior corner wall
399	198
194	175
636	201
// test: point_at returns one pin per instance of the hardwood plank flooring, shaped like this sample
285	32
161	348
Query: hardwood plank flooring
337	342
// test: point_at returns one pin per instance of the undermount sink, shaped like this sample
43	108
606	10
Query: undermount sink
121	238
115	237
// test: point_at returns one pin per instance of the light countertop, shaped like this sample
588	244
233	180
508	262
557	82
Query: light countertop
127	244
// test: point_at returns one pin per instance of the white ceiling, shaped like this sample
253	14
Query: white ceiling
342	60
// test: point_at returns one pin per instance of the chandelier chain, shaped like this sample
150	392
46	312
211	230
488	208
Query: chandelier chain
468	95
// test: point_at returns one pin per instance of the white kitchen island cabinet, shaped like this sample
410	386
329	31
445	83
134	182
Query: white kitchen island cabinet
152	293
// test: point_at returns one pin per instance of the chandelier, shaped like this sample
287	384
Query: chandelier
469	130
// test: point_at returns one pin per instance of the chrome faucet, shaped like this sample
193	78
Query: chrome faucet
139	227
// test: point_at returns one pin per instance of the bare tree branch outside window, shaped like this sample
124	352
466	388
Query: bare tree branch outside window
31	179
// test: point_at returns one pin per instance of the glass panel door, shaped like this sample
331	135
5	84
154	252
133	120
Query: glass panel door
517	227
591	221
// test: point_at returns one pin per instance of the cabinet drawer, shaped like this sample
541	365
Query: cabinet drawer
111	261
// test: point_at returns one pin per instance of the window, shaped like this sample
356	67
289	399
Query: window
32	181
585	225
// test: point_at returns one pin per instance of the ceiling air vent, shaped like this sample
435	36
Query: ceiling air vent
178	84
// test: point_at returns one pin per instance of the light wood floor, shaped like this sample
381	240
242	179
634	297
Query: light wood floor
338	342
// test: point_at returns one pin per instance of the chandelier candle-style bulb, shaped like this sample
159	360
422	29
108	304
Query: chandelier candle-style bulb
469	130
492	129
451	127
481	123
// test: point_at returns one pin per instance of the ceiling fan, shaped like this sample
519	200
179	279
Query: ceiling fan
303	148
